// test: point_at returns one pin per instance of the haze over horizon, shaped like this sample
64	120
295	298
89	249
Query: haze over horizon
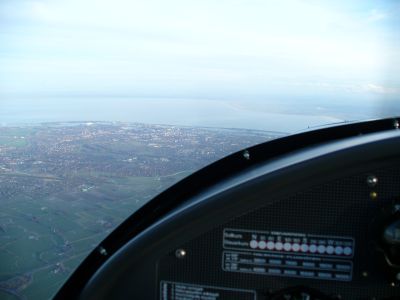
335	59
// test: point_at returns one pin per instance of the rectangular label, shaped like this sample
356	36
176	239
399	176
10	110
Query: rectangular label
289	265
185	291
288	242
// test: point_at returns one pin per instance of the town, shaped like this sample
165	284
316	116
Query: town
65	186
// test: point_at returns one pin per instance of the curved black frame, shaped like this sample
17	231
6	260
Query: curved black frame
229	166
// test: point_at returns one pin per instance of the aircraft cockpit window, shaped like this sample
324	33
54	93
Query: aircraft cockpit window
106	104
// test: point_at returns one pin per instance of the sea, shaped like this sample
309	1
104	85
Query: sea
166	111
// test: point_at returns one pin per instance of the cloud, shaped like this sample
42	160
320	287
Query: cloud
376	15
87	44
348	88
379	89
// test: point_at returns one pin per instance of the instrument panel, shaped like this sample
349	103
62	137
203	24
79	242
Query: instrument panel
328	238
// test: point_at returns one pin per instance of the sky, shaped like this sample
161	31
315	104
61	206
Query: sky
226	49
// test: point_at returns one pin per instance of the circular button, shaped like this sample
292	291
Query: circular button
295	247
313	248
321	249
278	246
304	248
262	245
330	249
253	244
287	246
338	250
270	245
347	251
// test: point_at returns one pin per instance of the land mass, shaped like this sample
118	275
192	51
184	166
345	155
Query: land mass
65	186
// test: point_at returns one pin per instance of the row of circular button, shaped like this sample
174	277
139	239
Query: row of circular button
321	249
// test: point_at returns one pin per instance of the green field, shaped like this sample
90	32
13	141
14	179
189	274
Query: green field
16	137
64	188
50	241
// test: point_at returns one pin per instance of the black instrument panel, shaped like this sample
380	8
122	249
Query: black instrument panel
312	216
325	238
